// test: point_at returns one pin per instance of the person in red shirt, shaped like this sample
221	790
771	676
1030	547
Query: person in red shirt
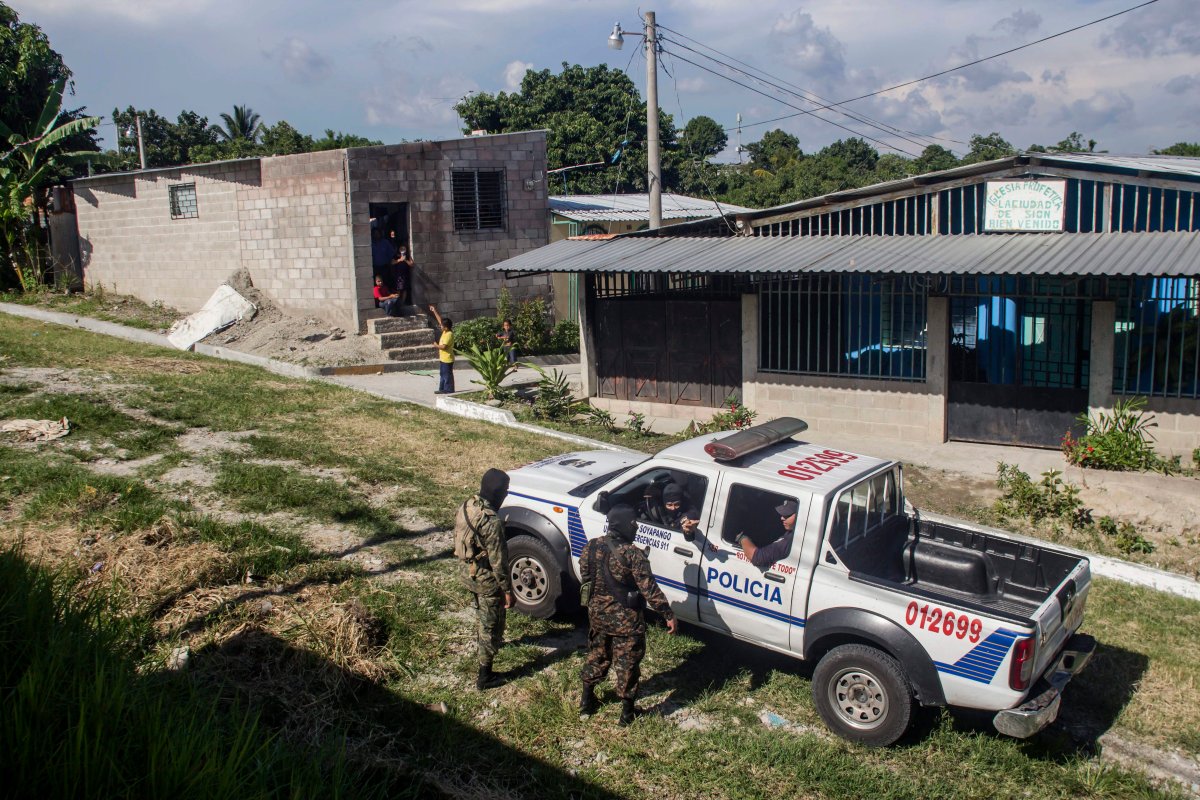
387	298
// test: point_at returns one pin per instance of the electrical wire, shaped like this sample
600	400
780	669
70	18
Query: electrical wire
802	111
819	99
961	66
888	130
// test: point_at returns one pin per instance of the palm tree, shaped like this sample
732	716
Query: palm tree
244	123
23	172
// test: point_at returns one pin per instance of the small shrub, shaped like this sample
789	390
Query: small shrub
476	333
493	367
565	337
554	399
738	417
1125	537
1051	498
506	308
602	418
532	326
637	424
1196	459
1117	440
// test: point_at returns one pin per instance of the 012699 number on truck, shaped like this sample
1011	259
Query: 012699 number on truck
896	609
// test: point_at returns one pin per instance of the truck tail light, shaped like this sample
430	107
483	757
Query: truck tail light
1021	673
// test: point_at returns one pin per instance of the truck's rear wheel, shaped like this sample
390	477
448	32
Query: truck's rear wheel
863	695
536	576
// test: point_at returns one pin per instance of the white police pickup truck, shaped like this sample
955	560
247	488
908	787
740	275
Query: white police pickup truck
893	607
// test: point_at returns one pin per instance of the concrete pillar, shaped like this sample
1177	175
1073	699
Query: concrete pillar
1100	360
937	363
749	348
587	347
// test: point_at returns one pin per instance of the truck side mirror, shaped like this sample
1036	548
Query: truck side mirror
603	503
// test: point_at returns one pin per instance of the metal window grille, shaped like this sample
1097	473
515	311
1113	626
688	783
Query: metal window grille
1156	350
855	325
183	201
610	285
478	199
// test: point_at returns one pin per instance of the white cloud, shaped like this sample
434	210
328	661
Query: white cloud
692	85
981	77
1183	84
1019	23
1093	113
299	61
1158	30
142	12
1058	78
813	50
514	71
412	104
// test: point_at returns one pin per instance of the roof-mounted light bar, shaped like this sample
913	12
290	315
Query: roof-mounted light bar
744	442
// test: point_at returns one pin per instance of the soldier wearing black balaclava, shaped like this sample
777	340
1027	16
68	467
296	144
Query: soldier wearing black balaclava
480	547
623	586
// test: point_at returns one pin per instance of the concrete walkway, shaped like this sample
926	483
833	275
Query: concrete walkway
1177	497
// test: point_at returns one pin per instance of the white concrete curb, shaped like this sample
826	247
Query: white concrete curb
88	324
1106	567
498	416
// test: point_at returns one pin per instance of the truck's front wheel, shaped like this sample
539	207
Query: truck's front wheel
536	576
863	695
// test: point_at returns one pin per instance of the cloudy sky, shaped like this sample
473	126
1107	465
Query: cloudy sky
393	69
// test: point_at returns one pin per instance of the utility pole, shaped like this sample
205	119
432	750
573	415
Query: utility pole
653	158
137	120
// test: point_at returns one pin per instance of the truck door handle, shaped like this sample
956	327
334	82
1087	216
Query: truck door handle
683	551
771	576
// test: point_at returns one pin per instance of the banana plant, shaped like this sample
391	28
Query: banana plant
23	167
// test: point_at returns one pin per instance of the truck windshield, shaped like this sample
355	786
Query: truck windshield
584	489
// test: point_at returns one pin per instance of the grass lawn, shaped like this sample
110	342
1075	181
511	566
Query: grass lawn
119	308
289	537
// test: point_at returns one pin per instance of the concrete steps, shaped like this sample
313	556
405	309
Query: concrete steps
406	341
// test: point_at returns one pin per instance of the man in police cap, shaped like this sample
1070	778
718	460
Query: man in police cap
622	585
480	547
768	554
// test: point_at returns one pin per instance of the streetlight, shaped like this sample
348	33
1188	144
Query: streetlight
653	160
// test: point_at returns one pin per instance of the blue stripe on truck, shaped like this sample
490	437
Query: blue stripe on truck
733	601
984	659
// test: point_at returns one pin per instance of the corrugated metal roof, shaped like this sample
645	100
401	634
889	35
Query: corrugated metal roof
1165	165
636	207
1171	253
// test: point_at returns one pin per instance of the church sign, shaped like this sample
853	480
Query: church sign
1025	205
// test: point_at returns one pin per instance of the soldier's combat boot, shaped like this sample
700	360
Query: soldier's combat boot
487	679
628	712
587	701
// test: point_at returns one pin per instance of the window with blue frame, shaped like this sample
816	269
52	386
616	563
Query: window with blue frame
854	325
1156	347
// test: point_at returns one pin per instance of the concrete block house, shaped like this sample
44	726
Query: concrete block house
994	302
301	225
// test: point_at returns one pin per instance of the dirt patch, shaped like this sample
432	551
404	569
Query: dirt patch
1173	767
308	341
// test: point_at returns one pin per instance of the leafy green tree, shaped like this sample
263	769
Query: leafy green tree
1179	149
892	167
167	144
1074	143
775	149
243	123
336	140
988	148
703	138
932	159
24	169
593	114
281	139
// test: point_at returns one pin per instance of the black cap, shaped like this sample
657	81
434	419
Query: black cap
622	522
787	508
494	487
673	493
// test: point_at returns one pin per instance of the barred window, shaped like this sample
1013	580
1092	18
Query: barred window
1156	348
183	201
868	326
478	199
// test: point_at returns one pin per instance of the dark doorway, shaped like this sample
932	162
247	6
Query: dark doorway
1018	368
680	352
390	220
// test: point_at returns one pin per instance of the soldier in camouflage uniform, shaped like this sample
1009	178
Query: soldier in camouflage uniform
616	623
483	553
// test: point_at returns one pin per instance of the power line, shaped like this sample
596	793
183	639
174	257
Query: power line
962	66
801	110
856	115
888	130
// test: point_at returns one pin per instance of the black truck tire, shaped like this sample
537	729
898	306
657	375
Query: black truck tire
862	694
536	576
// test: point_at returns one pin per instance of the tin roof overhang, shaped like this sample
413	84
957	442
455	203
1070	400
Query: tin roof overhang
1175	253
